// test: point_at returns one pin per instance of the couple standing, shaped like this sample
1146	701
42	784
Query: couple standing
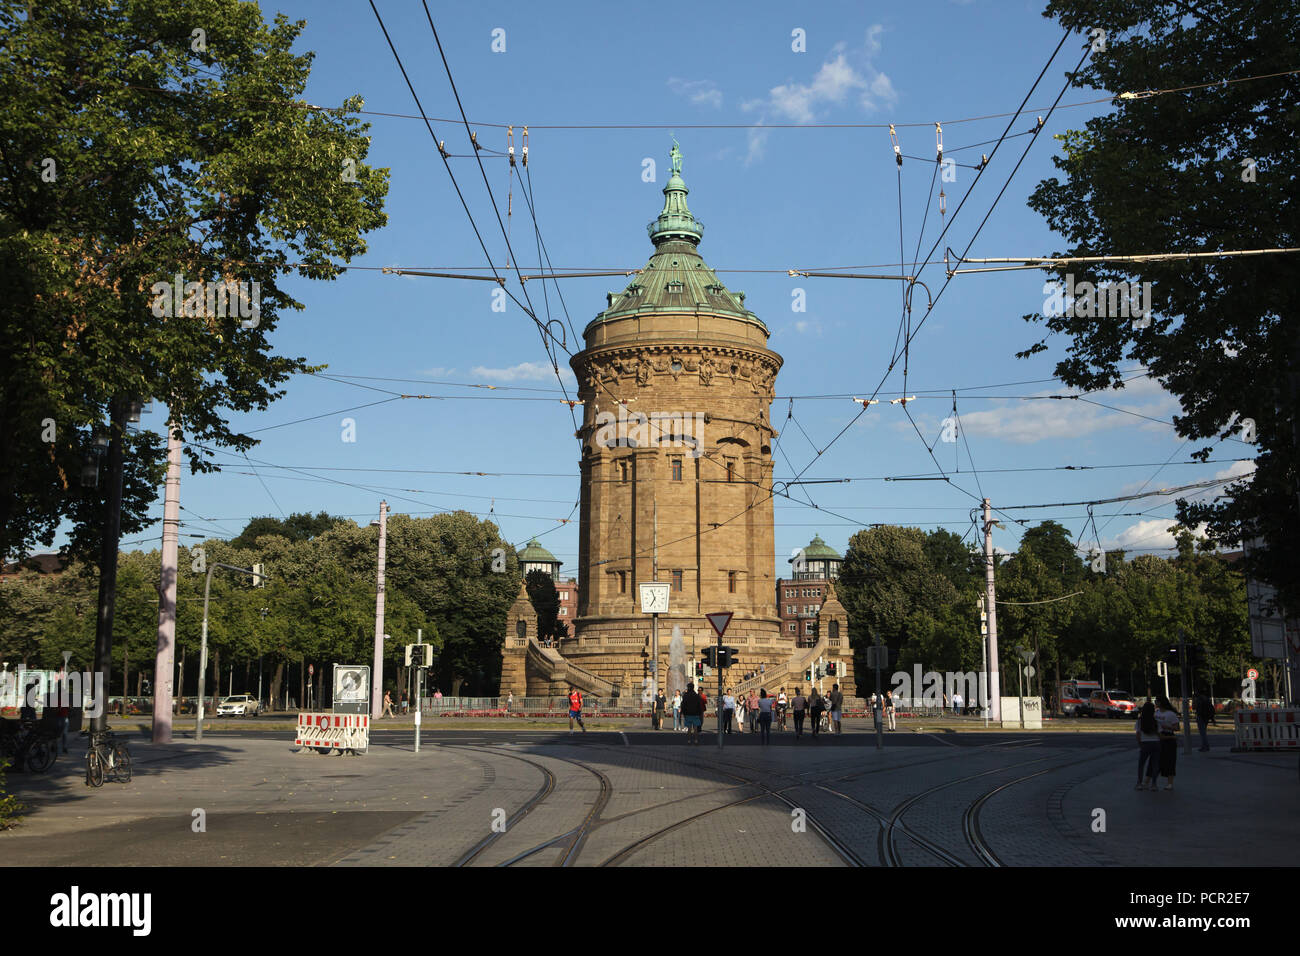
1157	735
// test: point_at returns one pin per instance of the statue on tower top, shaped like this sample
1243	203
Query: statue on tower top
676	155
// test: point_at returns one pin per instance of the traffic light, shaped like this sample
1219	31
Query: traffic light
830	668
807	675
419	655
728	656
699	671
259	575
710	656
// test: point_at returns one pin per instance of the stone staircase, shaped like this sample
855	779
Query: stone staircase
787	674
560	672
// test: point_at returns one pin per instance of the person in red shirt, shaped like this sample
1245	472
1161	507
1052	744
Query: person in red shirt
575	709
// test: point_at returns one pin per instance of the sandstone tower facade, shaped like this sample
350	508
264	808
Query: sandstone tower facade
676	381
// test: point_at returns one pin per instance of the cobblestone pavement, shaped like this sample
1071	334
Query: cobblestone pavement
637	799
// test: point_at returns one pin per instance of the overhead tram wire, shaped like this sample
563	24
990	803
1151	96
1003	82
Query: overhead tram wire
532	211
934	300
465	121
505	234
528	310
1110	98
961	430
266	487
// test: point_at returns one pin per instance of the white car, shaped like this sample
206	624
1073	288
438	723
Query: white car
242	704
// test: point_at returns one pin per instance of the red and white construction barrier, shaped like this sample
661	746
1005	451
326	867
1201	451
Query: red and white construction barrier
1272	729
334	731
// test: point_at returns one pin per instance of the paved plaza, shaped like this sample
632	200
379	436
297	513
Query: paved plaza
638	798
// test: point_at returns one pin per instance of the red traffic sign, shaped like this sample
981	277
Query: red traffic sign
311	669
1252	674
719	621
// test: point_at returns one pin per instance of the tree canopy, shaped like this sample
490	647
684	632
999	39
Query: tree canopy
1207	168
147	142
920	592
317	604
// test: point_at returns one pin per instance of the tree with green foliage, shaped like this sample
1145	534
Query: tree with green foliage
444	564
546	602
898	583
296	527
144	141
1207	168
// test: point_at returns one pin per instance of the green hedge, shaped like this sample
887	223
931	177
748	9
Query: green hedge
10	806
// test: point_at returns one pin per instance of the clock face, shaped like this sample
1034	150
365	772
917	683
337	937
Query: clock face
654	598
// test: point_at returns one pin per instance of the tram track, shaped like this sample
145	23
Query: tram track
576	836
893	825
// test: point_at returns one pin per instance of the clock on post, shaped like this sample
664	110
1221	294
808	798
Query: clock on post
654	597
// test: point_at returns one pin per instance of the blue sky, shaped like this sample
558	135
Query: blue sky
804	197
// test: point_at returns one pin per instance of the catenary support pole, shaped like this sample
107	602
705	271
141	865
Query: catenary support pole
1182	676
718	703
377	671
990	598
879	704
203	652
654	618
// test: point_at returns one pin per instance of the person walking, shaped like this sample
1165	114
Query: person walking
957	703
728	710
1204	717
764	717
1148	737
660	705
1168	720
575	708
752	715
815	706
510	701
692	714
781	704
837	709
677	711
388	705
889	708
798	706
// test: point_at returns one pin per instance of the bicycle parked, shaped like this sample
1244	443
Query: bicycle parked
108	756
28	744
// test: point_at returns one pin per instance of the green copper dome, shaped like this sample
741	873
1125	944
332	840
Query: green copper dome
818	549
677	279
534	553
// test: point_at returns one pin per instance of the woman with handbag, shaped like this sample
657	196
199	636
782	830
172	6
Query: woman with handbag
1167	719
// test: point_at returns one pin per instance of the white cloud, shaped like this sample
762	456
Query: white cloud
1237	469
523	372
882	88
1042	418
699	92
808	325
438	372
873	44
1154	534
757	141
847	71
